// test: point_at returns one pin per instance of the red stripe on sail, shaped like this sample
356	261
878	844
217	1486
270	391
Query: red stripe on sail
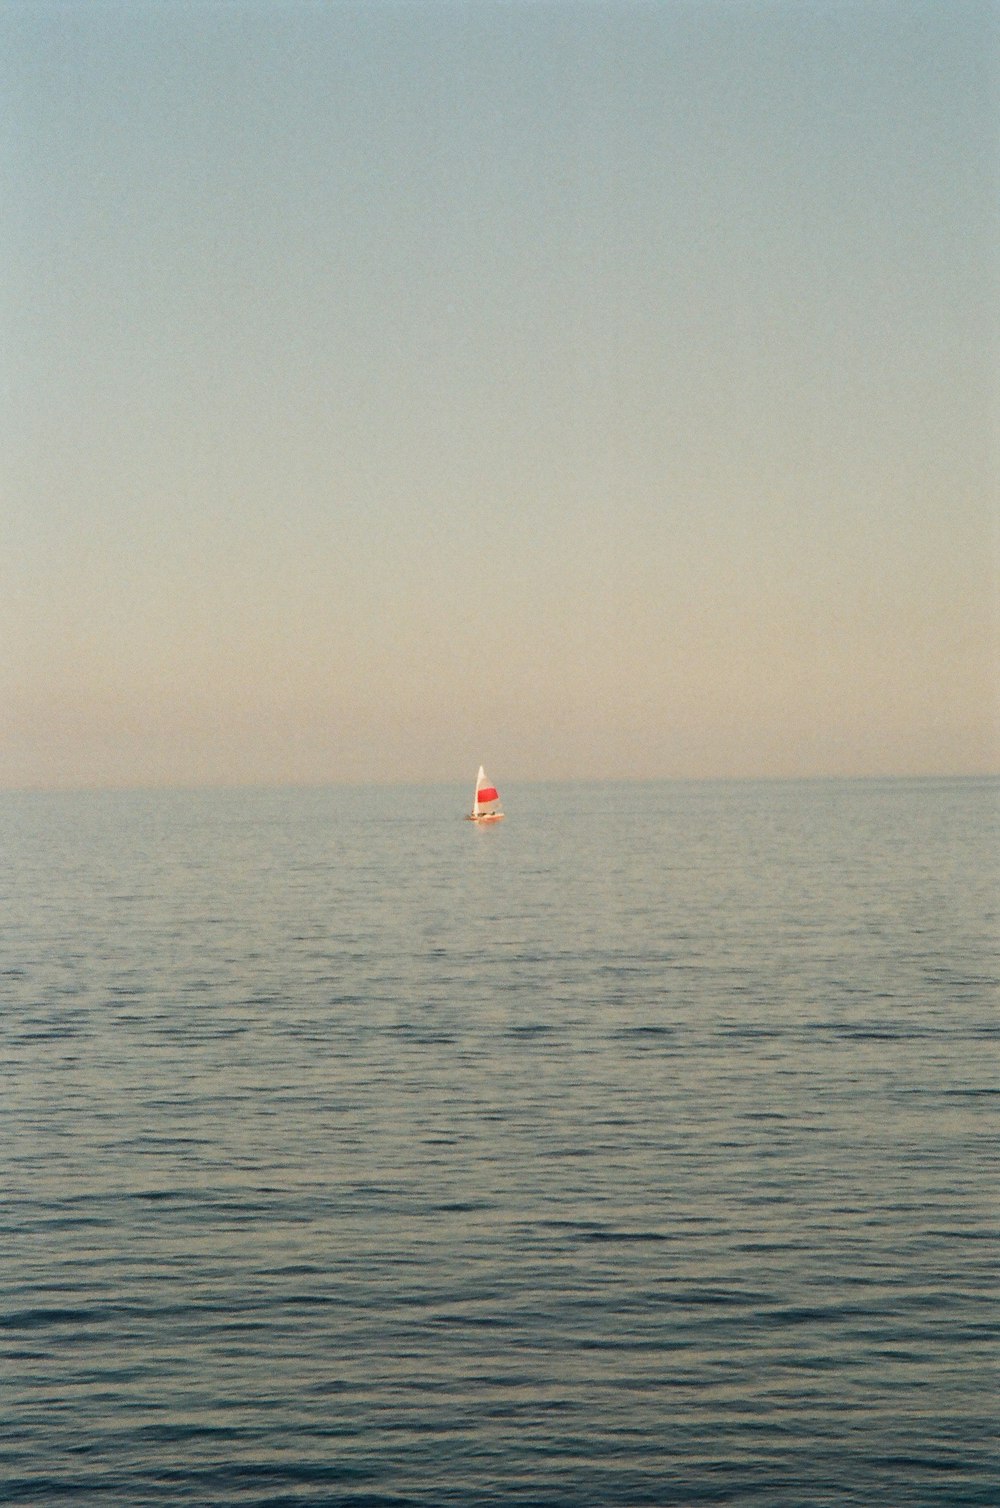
488	793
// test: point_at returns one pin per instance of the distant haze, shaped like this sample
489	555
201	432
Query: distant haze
600	389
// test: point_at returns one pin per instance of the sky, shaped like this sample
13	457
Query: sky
592	388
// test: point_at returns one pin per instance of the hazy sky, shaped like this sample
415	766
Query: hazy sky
592	387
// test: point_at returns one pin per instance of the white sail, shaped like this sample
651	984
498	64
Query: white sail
485	800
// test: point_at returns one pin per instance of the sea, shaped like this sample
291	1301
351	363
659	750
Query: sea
638	1150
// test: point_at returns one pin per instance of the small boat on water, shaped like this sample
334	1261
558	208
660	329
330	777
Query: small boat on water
485	801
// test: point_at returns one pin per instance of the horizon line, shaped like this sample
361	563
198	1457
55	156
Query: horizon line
194	787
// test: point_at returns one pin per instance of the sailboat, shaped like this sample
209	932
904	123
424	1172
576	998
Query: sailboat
485	801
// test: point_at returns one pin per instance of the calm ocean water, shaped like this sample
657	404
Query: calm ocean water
639	1150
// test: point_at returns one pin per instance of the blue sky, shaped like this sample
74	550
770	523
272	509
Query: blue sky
587	388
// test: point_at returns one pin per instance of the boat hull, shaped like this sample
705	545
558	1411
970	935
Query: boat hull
487	817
